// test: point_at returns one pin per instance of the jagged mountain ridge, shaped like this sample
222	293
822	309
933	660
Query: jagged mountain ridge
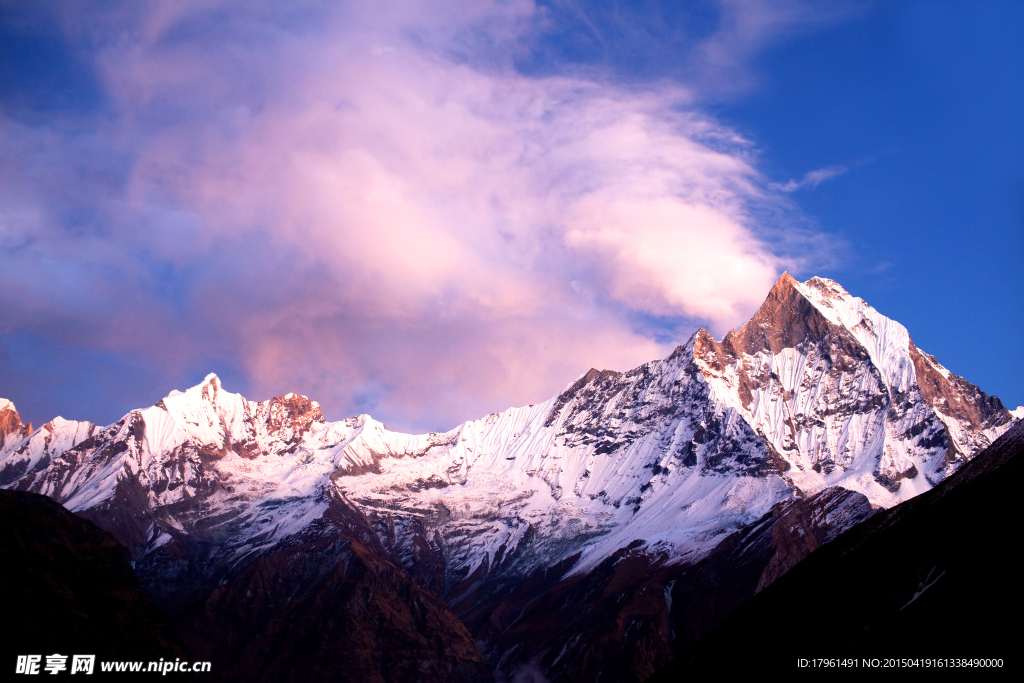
817	391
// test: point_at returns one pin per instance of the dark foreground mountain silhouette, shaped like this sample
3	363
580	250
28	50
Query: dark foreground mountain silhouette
68	588
934	577
585	538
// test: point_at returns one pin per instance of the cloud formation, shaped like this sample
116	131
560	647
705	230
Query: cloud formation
347	205
811	179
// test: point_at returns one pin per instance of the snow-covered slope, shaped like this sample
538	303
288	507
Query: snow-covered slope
844	396
818	390
24	452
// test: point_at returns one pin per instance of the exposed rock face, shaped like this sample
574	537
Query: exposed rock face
657	465
68	587
934	577
833	386
11	427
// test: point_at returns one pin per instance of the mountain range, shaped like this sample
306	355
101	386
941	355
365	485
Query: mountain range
592	536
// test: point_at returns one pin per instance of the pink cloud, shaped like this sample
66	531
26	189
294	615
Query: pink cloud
378	219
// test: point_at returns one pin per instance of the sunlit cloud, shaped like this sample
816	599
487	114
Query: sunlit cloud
352	209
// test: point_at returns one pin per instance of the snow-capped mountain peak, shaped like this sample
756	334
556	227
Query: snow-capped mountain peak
222	421
886	340
11	428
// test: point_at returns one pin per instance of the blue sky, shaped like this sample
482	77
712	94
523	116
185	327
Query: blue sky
433	211
923	103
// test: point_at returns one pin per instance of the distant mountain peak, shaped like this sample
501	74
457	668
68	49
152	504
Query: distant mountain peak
11	427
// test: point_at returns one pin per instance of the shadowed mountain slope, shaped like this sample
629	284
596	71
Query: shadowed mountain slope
936	576
68	587
329	606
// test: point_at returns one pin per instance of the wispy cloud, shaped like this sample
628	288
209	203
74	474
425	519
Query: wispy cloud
349	207
811	179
